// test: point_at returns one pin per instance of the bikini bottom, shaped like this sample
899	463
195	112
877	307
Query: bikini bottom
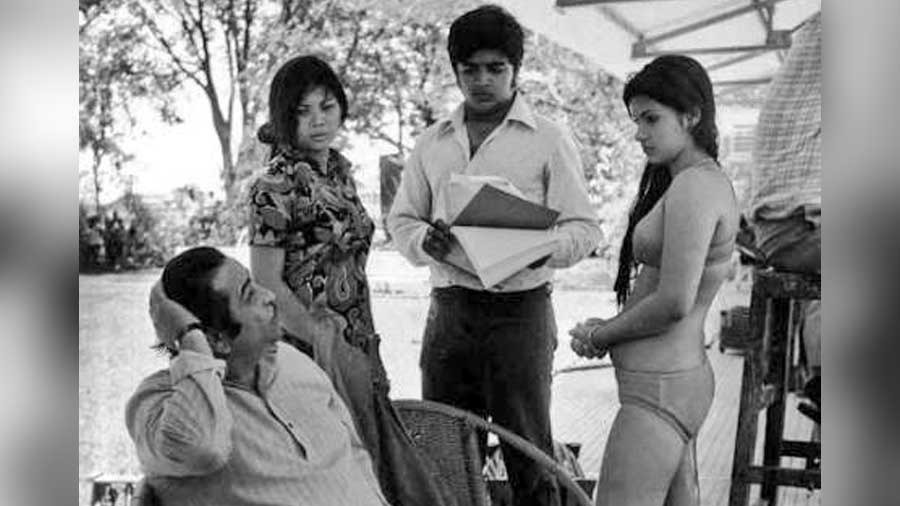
681	399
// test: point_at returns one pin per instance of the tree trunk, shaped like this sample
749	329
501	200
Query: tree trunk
223	134
95	169
252	154
228	173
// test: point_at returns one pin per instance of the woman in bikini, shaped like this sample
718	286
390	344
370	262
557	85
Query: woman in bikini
679	241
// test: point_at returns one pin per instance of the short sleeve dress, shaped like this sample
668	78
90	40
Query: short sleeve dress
316	216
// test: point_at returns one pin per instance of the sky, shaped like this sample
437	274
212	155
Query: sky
170	156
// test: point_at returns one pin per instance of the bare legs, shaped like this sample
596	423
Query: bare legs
647	463
685	486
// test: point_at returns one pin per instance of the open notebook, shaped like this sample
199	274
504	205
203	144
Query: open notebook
499	231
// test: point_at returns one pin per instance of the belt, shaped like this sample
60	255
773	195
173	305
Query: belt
489	297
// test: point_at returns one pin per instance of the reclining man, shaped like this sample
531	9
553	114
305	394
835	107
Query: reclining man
238	417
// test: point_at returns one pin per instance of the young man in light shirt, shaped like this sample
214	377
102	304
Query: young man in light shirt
490	350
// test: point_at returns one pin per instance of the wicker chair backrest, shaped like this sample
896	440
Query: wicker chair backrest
452	443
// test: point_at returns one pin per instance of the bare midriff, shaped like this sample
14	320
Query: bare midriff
681	346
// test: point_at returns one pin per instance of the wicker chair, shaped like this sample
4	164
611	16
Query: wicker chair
450	437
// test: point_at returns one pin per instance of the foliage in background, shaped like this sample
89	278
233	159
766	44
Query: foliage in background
115	75
400	81
229	49
136	243
208	43
152	233
391	57
391	60
566	86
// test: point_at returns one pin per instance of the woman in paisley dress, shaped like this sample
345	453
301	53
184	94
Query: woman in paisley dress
309	241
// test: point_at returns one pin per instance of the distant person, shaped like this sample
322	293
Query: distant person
239	417
130	247
679	240
95	242
490	351
309	241
115	242
786	198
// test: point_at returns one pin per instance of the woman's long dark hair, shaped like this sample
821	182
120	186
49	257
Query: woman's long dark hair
681	83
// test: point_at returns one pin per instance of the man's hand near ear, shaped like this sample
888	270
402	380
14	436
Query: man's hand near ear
176	327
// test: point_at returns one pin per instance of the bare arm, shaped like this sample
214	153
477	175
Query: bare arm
267	268
273	201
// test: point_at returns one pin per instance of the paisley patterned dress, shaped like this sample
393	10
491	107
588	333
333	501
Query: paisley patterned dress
316	216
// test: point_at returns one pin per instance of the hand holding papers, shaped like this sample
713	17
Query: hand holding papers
498	230
438	240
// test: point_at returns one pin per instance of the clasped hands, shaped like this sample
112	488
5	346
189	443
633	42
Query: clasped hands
584	344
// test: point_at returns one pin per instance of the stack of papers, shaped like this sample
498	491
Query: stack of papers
499	231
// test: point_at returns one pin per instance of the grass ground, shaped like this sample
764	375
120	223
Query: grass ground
115	334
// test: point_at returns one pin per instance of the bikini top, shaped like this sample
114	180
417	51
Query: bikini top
647	240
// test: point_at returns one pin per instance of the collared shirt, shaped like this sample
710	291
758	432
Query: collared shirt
787	157
202	440
535	154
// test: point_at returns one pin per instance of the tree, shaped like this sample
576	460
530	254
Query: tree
112	74
566	86
389	54
386	56
401	78
208	43
230	49
399	83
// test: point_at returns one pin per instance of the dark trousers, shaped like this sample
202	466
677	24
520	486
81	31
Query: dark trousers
492	354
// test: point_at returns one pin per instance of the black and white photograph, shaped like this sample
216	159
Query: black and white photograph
451	253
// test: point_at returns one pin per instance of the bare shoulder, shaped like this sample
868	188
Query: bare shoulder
706	182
